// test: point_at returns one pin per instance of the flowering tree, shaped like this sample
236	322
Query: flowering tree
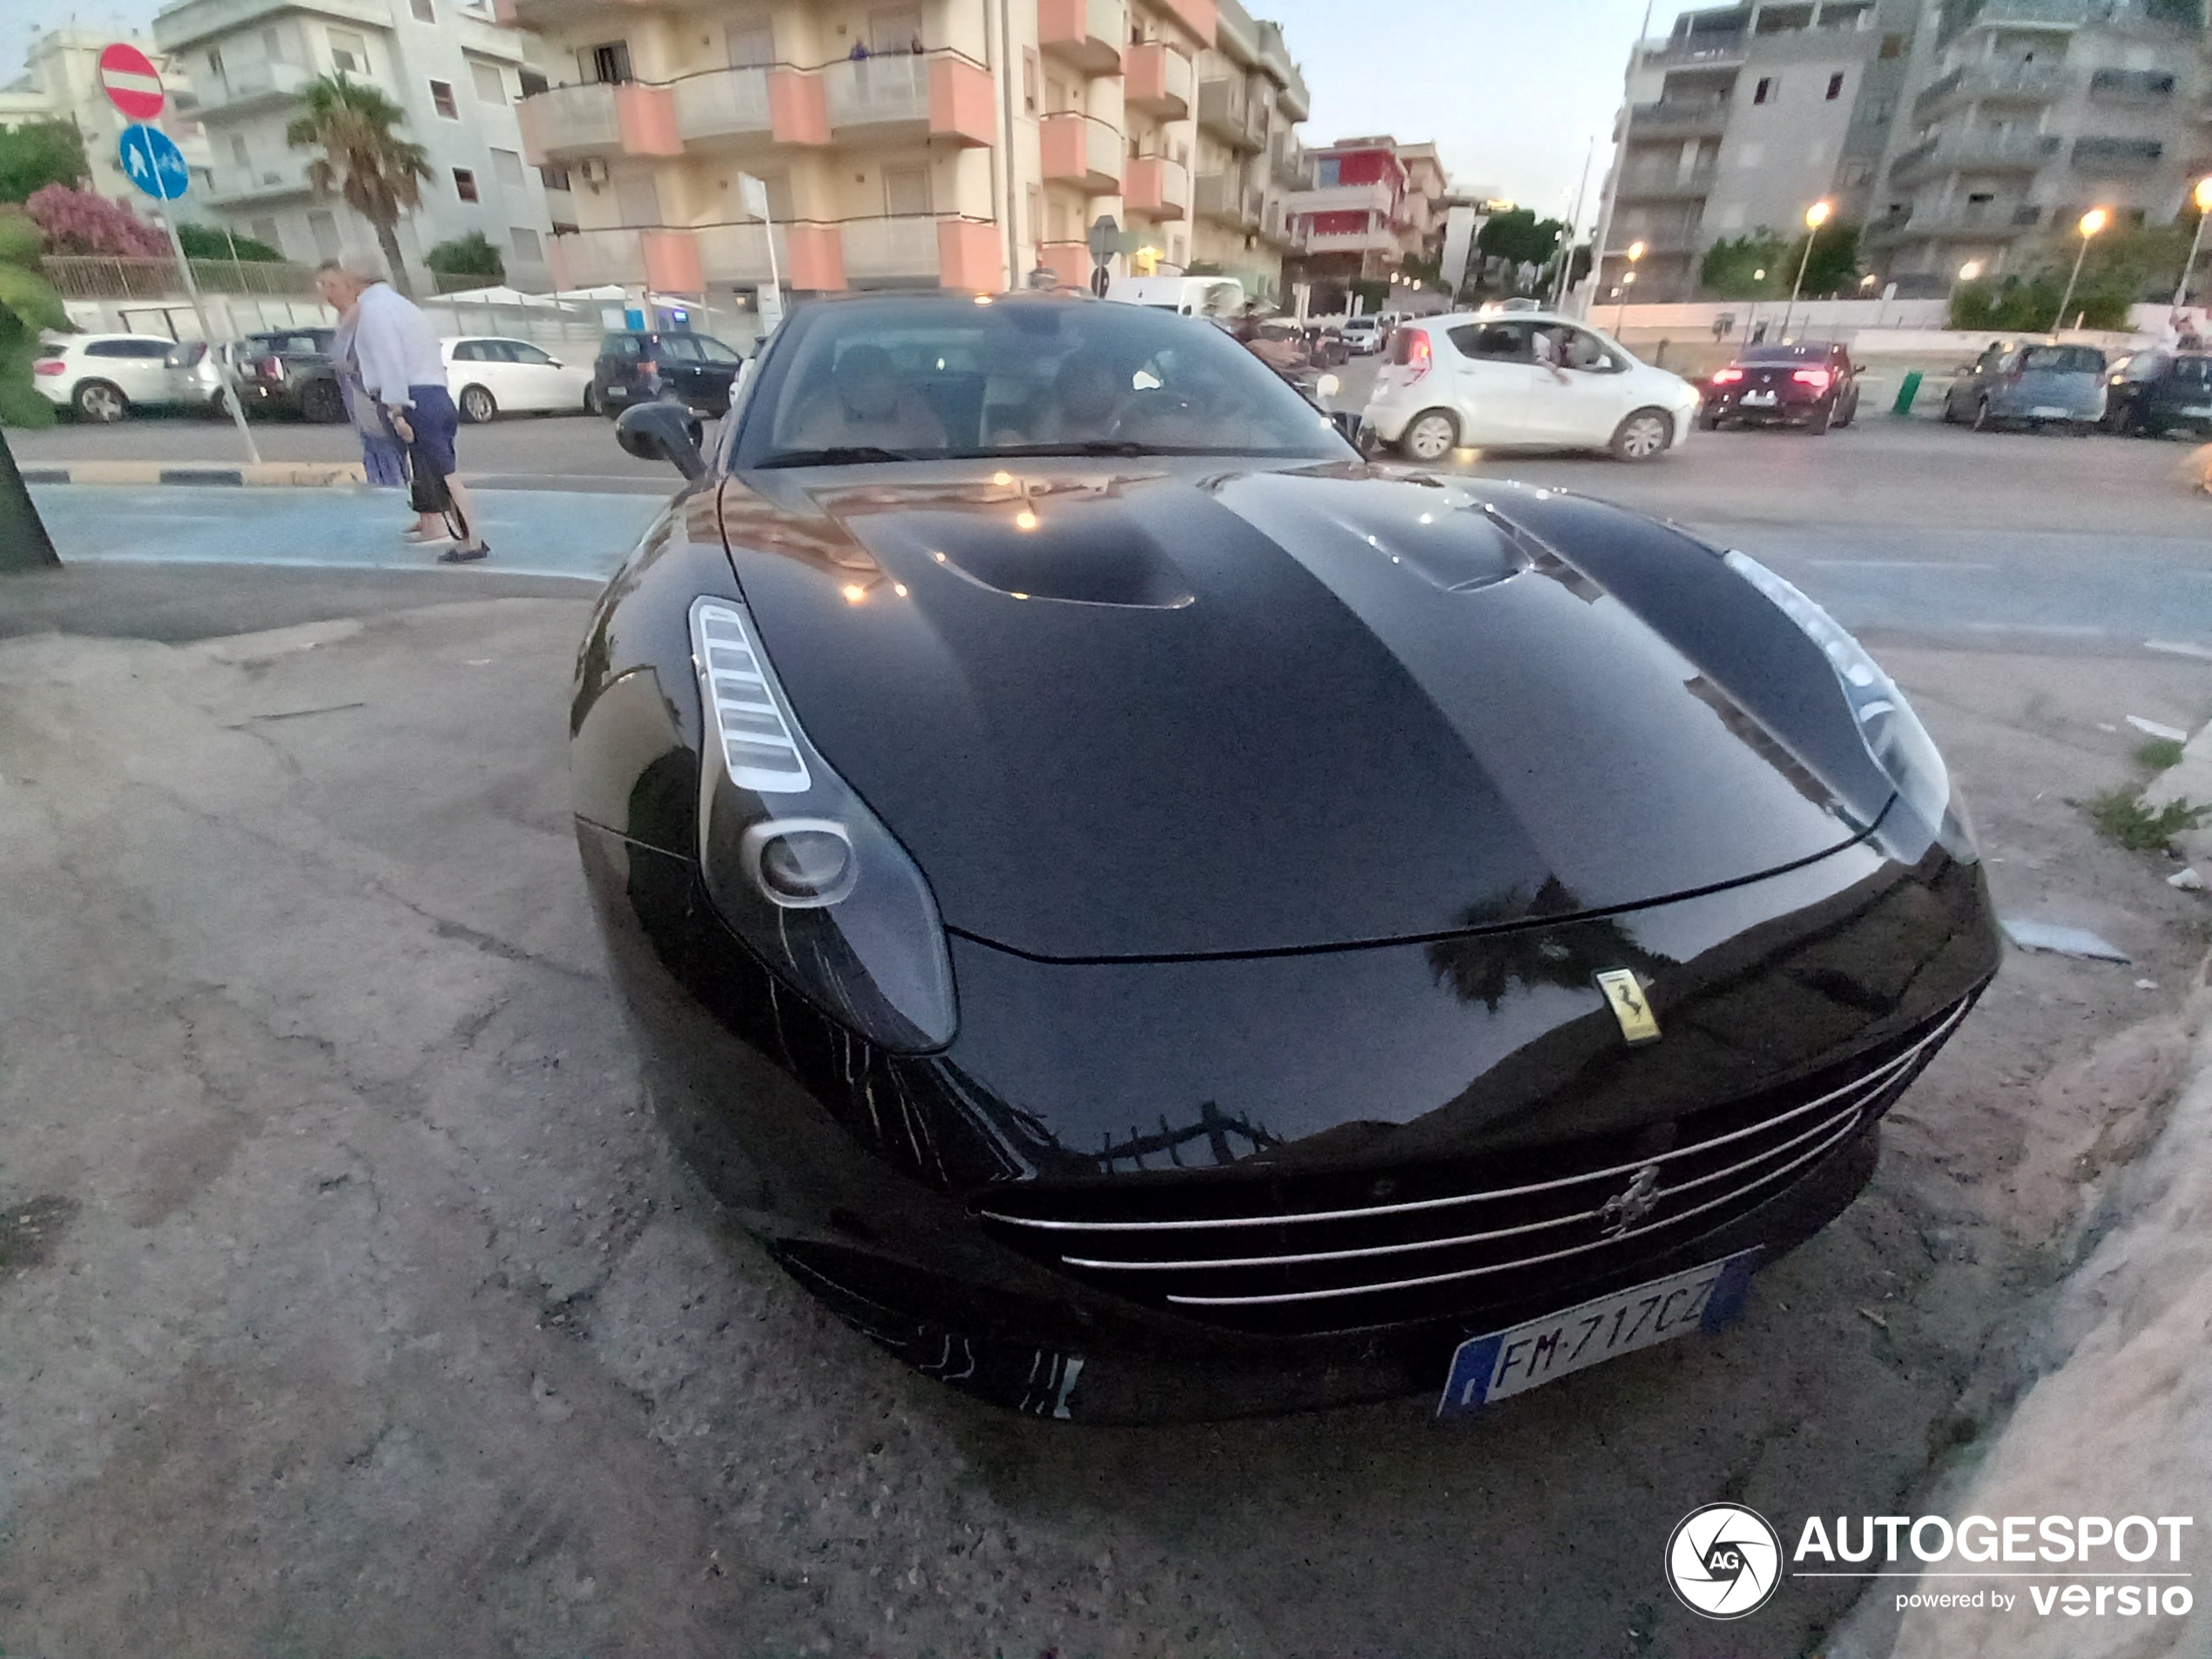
77	221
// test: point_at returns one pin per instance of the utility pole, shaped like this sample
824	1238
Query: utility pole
1574	225
1619	157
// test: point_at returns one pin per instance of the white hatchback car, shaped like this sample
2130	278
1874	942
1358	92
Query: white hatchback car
104	377
491	375
1523	379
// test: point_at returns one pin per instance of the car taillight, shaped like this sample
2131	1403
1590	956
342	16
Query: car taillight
1816	378
50	365
1727	376
649	368
1420	355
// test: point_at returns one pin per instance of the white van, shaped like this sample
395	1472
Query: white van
1198	296
1361	332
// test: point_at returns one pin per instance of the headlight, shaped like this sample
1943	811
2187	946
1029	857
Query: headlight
1893	734
796	862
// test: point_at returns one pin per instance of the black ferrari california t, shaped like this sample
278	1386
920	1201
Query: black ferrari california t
1147	914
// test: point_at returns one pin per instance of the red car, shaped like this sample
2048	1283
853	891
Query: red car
1811	384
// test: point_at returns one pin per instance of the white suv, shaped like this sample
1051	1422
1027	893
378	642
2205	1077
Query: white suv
103	377
1522	378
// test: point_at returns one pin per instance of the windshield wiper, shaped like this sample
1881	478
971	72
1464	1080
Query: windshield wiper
837	456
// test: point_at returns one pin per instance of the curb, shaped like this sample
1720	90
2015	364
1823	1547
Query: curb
267	474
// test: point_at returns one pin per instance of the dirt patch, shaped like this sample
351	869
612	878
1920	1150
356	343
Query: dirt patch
30	1229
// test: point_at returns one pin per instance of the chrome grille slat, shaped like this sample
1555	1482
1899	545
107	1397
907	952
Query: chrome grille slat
1872	1079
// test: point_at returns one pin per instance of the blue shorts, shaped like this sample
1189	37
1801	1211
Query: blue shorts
434	421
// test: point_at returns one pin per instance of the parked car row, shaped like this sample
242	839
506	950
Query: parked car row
104	377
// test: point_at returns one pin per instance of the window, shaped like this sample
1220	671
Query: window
423	10
464	184
215	64
469	351
554	177
265	230
607	62
1892	46
1494	343
349	52
1835	86
751	46
906	189
147	347
894	31
1324	171
507	167
525	244
1028	82
322	228
521	351
1765	91
1036	214
238	152
441	100
491	85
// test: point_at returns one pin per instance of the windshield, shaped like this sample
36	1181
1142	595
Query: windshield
1784	354
2065	359
940	376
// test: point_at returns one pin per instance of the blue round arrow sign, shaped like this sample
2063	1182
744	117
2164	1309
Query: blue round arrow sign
152	162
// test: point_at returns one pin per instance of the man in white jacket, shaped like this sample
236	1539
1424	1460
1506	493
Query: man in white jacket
403	373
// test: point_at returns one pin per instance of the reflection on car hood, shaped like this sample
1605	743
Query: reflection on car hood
1148	708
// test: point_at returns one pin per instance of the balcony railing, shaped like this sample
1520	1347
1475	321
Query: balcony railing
2015	85
240	85
722	103
570	120
1156	186
1976	152
2112	156
738	253
1078	150
256	183
1087	33
1226	111
1157	79
1668	183
2136	87
1225	199
594	258
1678	118
901	245
889	88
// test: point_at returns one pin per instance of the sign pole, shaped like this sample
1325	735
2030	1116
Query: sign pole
207	336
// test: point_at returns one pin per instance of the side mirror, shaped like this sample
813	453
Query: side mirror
1327	387
660	431
557	362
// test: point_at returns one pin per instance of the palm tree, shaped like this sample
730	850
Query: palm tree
377	173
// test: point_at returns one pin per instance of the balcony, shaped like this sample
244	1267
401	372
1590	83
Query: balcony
738	253
898	249
2137	88
2000	84
2116	158
598	118
2019	153
1286	162
259	186
1225	112
1669	184
1378	240
1709	50
1080	151
1225	199
1678	118
722	103
1155	81
1085	33
899	95
242	87
1972	222
1157	187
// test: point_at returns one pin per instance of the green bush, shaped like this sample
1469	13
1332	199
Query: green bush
27	305
211	242
39	153
471	256
2030	305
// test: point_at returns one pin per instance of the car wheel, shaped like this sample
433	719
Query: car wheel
1982	418
1708	423
594	403
98	400
322	402
478	405
1851	411
1950	410
1429	436
1821	419
1643	436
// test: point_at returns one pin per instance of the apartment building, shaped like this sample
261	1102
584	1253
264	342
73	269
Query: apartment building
445	63
61	82
1251	100
908	144
1369	205
1741	119
2027	114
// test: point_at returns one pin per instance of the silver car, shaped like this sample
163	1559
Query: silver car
2025	382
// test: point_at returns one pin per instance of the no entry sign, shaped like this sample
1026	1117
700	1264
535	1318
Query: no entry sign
132	83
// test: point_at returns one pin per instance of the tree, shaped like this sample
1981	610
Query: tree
39	153
470	256
1731	270
211	242
1833	268
377	173
77	221
2125	265
28	304
1518	237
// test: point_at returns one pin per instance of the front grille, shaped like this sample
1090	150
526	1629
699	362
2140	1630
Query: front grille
1344	1249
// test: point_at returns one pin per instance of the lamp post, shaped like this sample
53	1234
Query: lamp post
2203	195
1816	216
1627	281
2092	221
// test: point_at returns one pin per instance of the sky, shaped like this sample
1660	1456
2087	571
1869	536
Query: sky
1511	90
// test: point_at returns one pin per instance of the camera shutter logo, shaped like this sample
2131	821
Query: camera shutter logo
1723	1560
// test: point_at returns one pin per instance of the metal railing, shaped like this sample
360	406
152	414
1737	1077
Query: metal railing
719	102
902	245
563	118
2020	82
97	276
893	86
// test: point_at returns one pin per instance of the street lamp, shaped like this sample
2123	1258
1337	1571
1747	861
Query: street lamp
1816	216
2092	221
2202	196
1628	279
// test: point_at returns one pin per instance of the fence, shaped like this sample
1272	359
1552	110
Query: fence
99	276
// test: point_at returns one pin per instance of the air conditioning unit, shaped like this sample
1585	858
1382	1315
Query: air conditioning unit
592	170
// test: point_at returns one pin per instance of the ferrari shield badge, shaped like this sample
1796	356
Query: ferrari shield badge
1630	1006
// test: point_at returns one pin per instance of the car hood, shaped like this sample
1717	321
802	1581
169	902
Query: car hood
1148	710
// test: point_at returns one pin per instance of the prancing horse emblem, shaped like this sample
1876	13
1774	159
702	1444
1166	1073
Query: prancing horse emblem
1624	992
1624	1210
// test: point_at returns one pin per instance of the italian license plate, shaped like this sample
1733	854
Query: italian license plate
2199	411
2045	412
1505	1363
1765	399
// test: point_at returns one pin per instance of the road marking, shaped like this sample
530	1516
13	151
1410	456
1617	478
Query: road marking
2179	648
2071	631
1898	564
